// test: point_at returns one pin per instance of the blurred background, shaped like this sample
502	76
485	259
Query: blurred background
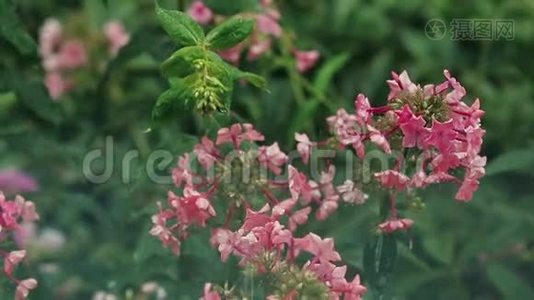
94	236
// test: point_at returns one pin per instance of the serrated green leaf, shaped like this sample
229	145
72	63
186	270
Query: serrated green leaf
180	63
230	33
180	27
328	70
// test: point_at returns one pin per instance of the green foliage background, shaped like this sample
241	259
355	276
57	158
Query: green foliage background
480	250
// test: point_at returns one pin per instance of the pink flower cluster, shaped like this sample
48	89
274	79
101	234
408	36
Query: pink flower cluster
429	132
266	245
267	30
440	132
235	168
12	214
62	55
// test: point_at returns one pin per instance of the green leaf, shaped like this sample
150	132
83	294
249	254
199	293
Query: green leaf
180	27
13	31
256	80
230	33
441	248
180	63
511	286
512	161
380	256
328	70
32	94
165	105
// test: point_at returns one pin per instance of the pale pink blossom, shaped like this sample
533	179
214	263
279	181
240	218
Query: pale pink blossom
306	59
322	249
116	35
266	24
200	12
13	181
272	158
392	179
395	224
304	146
12	260
49	37
72	55
350	193
24	287
57	85
258	48
232	55
206	152
182	173
237	134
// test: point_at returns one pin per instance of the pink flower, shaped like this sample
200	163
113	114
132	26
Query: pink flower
49	37
12	260
395	224
355	290
200	12
72	55
328	206
116	35
442	135
322	249
258	48
15	181
237	134
362	107
348	130
160	230
182	173
12	211
378	139
272	158
224	240
473	137
24	287
350	193
268	25
298	218
210	294
413	129
299	185
193	208
233	54
56	85
400	84
304	146
206	152
392	179
306	59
